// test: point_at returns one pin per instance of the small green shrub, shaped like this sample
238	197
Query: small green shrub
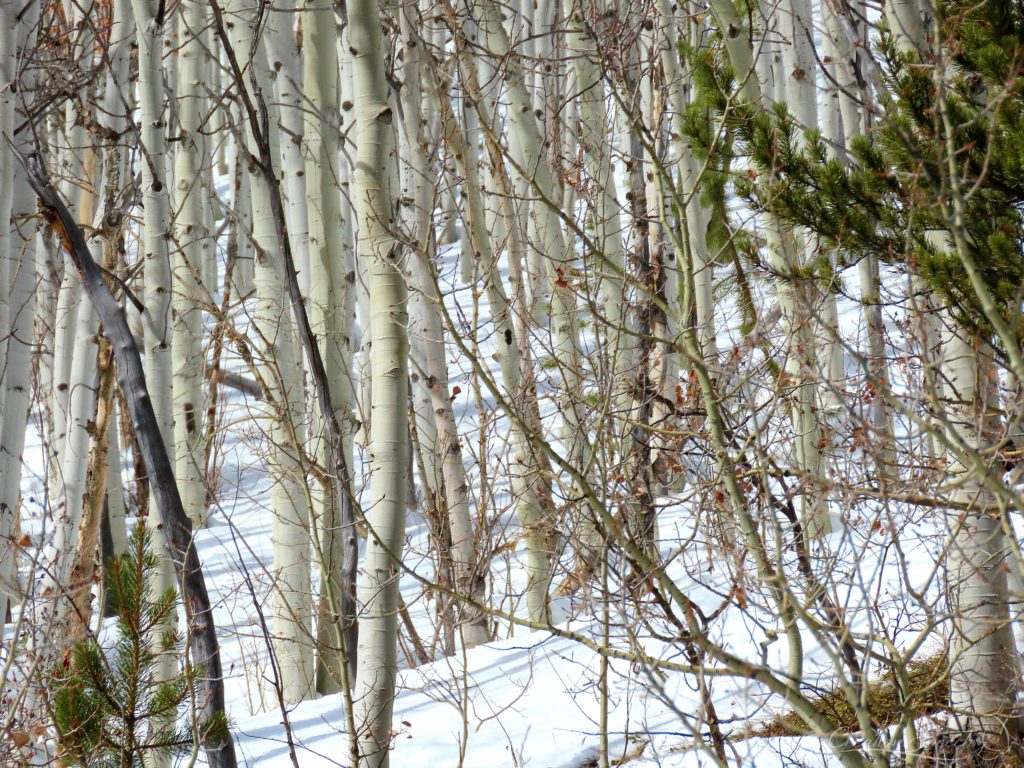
109	709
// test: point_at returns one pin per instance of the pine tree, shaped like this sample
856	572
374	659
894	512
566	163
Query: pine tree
109	707
936	189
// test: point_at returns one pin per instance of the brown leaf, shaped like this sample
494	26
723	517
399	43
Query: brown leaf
19	739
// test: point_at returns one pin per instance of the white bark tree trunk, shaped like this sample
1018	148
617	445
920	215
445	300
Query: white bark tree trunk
331	296
194	248
281	370
983	655
560	259
785	254
286	71
389	429
446	445
983	678
157	327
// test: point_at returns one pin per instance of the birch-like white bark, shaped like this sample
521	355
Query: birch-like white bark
286	71
21	302
389	428
560	261
984	662
193	250
844	122
784	253
446	445
280	368
331	295
157	327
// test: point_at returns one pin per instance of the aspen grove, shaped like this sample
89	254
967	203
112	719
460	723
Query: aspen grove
553	383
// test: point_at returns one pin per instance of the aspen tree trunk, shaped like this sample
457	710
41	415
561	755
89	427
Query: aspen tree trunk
212	203
69	295
75	418
844	122
113	530
74	460
983	655
360	250
331	296
84	566
389	427
194	248
701	260
115	491
785	254
447	445
424	325
21	285
49	274
116	116
157	328
609	259
795	296
664	365
983	678
553	79
8	73
287	108
10	264
52	611
17	381
281	370
527	486
244	265
286	70
560	259
801	65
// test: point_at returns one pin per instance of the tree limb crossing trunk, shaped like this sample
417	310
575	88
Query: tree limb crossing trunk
220	750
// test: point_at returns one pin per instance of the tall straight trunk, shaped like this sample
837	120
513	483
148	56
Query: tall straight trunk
527	486
194	248
983	683
664	305
157	327
984	660
331	296
74	462
7	101
244	254
702	262
846	121
582	47
389	428
80	578
280	368
286	71
17	284
363	340
560	259
115	490
53	609
800	62
76	187
17	384
785	252
80	202
447	445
